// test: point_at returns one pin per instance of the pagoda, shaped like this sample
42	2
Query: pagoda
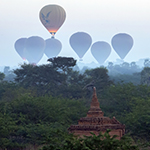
96	122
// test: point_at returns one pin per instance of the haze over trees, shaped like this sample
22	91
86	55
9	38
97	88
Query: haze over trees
38	106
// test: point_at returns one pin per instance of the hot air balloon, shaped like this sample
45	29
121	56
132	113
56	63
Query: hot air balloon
80	43
34	49
20	47
52	17
122	44
52	47
100	51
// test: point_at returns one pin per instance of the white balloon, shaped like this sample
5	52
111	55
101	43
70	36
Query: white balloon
122	44
80	43
101	51
20	47
52	47
34	49
52	17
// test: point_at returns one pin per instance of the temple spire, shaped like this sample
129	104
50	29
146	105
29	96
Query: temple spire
95	110
94	98
96	122
94	103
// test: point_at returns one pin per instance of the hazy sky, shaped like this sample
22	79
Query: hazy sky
102	19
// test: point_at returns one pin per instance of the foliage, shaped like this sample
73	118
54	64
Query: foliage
43	79
145	76
100	78
147	63
138	121
63	63
118	100
5	86
7	131
135	78
2	76
48	80
45	100
29	120
45	109
93	142
123	68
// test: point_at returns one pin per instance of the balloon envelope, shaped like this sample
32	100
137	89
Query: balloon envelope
52	47
20	47
52	17
122	44
80	43
34	49
100	50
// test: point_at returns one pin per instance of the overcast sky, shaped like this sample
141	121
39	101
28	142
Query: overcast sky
102	19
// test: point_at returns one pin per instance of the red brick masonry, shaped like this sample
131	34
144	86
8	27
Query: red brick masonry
96	122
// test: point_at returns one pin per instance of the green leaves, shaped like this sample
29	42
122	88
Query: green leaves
100	78
145	76
32	120
138	121
93	142
63	63
47	99
2	76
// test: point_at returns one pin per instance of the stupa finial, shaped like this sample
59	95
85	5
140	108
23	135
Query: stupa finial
94	98
95	110
94	91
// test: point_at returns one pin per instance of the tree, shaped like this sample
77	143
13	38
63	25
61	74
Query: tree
138	120
62	63
74	85
135	78
145	76
110	65
100	78
118	100
125	65
44	79
7	130
56	78
133	65
10	77
5	87
93	142
2	76
147	63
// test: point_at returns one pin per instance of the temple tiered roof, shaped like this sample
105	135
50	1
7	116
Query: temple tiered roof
96	122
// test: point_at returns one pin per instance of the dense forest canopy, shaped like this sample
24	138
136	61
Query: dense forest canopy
41	102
